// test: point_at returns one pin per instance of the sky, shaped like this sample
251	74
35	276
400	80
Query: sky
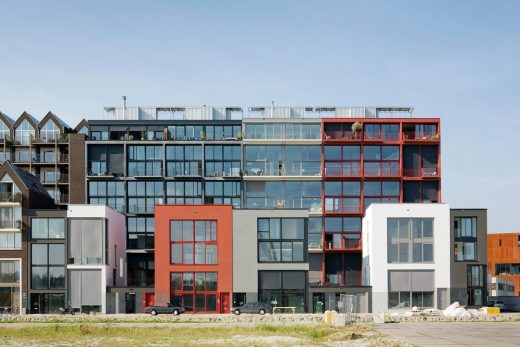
457	60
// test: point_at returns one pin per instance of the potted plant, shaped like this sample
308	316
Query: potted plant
202	134
142	135
240	135
166	134
356	128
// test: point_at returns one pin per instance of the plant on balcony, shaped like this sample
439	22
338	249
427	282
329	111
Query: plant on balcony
240	135
357	126
142	135
166	134
202	135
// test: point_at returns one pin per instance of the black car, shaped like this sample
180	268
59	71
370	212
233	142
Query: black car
168	309
253	307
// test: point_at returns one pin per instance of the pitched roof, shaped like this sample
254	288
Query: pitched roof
54	117
7	118
29	180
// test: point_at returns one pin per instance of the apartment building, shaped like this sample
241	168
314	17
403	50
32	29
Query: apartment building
504	257
44	149
330	161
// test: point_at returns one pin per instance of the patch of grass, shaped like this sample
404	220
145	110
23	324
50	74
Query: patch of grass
113	335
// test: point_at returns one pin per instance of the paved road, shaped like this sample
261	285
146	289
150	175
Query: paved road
454	333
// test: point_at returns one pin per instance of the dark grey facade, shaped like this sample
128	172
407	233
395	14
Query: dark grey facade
468	232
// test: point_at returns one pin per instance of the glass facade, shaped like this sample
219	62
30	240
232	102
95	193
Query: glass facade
195	291
281	240
47	266
193	242
282	160
283	288
283	194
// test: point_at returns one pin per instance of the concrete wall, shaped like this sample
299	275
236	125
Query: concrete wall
375	261
245	250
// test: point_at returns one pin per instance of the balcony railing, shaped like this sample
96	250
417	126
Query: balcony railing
145	172
61	178
382	170
344	135
421	172
343	244
10	197
10	224
346	169
141	208
420	136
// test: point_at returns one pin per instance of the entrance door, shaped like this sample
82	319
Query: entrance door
129	302
224	303
149	299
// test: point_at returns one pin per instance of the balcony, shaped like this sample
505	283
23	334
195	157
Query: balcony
343	135
421	172
421	136
11	197
51	179
342	205
145	172
383	169
10	224
339	169
339	243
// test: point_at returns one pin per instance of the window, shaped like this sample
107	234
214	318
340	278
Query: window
222	132
144	195
111	193
410	240
342	161
342	196
48	266
465	227
10	227
406	299
387	132
507	269
24	132
314	233
5	131
196	291
193	242
145	160
186	132
218	192
184	161
10	284
49	132
48	228
141	270
281	240
222	161
283	288
465	230
381	161
184	192
284	194
140	233
381	192
282	160
342	233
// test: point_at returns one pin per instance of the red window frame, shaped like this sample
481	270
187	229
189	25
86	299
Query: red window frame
181	296
194	243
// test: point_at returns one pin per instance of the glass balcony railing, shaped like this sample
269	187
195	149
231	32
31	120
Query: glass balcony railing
338	169
421	172
10	197
10	224
420	136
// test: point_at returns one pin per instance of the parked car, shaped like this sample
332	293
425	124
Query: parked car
253	307
168	309
496	303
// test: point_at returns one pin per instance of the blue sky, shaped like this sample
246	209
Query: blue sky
458	60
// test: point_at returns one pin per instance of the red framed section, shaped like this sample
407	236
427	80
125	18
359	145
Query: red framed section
211	281
363	132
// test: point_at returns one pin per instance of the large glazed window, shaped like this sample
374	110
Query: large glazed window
381	161
222	161
381	191
49	132
283	288
140	233
184	161
281	240
111	193
342	161
145	160
10	284
24	132
184	192
465	230
284	194
342	232
217	192
85	241
10	227
193	242
410	240
144	195
48	266
343	196
195	291
48	228
282	160
410	288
